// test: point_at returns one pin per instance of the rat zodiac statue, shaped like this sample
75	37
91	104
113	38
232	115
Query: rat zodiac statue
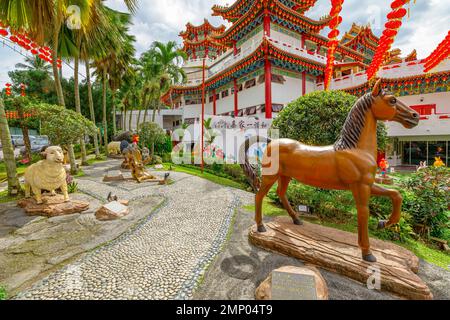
350	164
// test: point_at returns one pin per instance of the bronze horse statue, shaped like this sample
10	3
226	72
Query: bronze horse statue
350	164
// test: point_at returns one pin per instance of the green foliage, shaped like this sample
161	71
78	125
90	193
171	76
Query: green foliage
72	187
150	133
428	200
3	294
164	147
317	118
62	126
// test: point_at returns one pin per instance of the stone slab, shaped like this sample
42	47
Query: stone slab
112	211
52	206
338	251
115	175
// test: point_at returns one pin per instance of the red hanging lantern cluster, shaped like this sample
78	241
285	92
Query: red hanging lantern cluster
22	89
387	38
8	89
439	54
22	40
336	19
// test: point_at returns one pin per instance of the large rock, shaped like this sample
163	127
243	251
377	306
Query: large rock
338	251
264	291
52	206
112	211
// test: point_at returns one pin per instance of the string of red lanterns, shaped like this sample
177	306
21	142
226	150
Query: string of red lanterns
387	38
8	89
336	19
439	54
22	40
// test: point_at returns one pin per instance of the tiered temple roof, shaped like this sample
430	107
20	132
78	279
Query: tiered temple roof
198	41
281	12
240	7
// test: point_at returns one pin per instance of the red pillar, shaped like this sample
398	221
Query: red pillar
236	108
234	48
267	23
268	84
302	40
194	56
203	115
206	52
214	102
303	83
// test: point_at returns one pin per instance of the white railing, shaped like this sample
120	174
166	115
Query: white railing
394	71
431	125
289	47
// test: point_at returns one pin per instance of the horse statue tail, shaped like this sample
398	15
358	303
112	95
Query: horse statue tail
249	169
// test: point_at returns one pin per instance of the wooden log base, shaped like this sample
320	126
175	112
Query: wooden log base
338	251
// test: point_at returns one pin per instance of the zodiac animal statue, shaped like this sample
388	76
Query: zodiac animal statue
350	164
48	174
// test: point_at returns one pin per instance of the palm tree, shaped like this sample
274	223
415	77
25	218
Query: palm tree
8	153
34	63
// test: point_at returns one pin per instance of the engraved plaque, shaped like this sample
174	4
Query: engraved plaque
116	207
293	286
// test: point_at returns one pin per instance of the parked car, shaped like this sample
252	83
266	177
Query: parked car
37	145
15	139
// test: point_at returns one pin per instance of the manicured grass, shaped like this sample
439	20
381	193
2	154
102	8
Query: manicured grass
420	249
95	160
208	176
4	197
3	294
3	177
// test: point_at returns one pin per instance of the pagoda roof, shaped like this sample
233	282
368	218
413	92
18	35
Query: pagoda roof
322	40
275	8
360	34
206	42
205	26
265	49
240	7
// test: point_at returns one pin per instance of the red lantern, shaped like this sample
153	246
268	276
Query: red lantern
3	32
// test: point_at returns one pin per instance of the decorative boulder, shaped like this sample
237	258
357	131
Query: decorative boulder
264	291
52	206
113	211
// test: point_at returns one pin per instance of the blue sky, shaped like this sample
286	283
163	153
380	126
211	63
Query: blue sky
163	20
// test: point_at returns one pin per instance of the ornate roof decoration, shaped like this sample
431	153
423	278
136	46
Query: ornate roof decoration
206	28
206	42
279	13
412	56
360	35
241	7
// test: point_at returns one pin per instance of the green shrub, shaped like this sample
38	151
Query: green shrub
167	157
3	294
327	204
428	201
317	118
163	147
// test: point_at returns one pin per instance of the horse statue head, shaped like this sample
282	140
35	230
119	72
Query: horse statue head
386	107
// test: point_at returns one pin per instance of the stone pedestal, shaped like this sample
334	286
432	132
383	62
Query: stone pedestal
294	289
338	251
112	211
53	206
113	176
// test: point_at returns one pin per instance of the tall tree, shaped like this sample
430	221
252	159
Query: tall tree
8	153
34	63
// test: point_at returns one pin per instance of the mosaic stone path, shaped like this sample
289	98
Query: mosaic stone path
163	257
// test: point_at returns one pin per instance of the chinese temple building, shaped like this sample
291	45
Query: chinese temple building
273	53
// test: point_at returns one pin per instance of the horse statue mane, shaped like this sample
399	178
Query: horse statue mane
354	124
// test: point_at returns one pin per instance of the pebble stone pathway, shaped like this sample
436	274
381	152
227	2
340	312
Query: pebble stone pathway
164	257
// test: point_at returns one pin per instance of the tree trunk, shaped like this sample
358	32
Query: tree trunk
138	118
58	86
8	153
78	108
105	125
124	120
114	112
154	113
91	108
26	136
130	120
72	159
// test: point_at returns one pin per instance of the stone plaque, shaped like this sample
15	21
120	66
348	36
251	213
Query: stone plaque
116	207
115	175
293	286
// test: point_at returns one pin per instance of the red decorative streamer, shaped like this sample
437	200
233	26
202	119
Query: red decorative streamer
336	8
439	54
387	38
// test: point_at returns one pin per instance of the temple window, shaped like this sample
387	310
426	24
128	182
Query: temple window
225	93
250	83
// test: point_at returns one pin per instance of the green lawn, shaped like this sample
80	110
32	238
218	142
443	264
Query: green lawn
20	171
420	249
208	176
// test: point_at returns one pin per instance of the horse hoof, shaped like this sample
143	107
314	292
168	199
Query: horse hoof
369	258
382	224
261	229
298	222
